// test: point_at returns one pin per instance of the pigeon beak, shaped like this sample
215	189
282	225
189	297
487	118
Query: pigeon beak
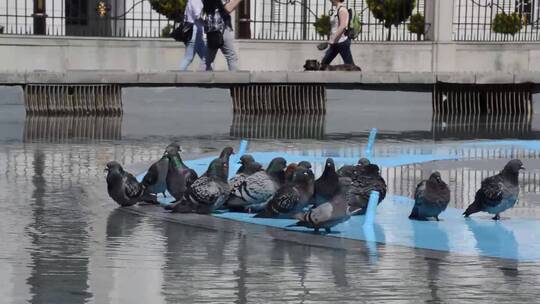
239	162
105	170
521	168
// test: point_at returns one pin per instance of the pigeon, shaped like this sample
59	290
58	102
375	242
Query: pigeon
326	215
248	167
154	181
225	155
366	180
327	185
255	190
349	170
207	193
290	198
124	188
307	165
499	192
430	198
289	171
173	153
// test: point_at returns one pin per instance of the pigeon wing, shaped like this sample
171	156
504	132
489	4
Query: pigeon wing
132	188
491	191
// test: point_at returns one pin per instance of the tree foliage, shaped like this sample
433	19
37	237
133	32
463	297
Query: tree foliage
391	12
417	25
507	23
172	9
322	25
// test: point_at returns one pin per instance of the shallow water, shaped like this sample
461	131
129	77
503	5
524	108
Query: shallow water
64	240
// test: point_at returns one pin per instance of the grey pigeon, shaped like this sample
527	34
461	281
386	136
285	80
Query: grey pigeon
499	192
173	153
367	179
290	198
257	189
349	170
430	198
248	167
207	193
155	180
225	155
327	185
123	187
326	215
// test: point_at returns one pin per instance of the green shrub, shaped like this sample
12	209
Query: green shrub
322	25
417	25
507	24
166	31
172	9
391	12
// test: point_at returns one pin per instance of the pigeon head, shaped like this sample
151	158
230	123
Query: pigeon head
277	164
301	175
371	169
304	164
246	159
513	166
330	164
363	161
218	168
114	167
435	177
226	152
173	149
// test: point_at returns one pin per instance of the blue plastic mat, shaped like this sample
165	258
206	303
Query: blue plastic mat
514	239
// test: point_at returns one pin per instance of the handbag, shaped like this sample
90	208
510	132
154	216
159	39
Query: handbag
183	31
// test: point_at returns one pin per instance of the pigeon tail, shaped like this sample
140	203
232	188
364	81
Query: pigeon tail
473	208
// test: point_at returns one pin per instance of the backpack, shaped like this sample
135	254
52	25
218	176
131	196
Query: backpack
354	27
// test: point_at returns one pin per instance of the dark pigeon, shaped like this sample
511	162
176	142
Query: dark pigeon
248	165
225	155
327	185
207	193
173	153
498	193
257	189
289	172
326	215
124	188
349	170
430	198
155	180
367	179
291	198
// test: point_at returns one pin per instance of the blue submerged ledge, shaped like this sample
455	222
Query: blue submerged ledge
512	239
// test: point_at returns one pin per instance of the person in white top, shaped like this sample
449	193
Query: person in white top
196	44
338	42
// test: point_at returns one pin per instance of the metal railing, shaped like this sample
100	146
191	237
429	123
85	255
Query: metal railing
293	20
256	19
474	20
117	18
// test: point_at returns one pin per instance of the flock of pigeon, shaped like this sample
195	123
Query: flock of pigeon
291	190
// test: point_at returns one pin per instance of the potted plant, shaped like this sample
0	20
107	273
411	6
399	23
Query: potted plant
507	23
391	12
417	25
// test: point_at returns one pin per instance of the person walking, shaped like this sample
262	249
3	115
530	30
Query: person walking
339	42
196	44
219	30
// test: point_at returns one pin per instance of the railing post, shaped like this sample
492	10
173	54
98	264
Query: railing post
443	50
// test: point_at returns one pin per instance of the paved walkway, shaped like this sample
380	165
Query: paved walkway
174	78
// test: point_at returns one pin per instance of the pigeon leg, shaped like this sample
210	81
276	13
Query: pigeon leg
437	218
496	217
327	230
164	195
316	230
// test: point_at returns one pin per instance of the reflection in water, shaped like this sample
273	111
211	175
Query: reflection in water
444	126
59	258
492	238
282	126
70	127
